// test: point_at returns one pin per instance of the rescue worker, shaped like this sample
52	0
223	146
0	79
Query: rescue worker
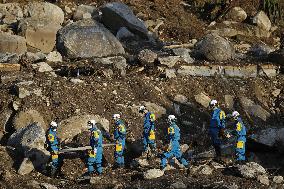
217	126
173	149
96	153
148	131
240	133
119	136
53	147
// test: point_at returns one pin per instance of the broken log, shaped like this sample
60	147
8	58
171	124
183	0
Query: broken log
6	67
66	150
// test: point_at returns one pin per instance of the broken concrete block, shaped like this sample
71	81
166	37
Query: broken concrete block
241	71
26	167
153	173
202	99
169	61
254	109
268	70
6	67
203	71
229	101
170	73
263	179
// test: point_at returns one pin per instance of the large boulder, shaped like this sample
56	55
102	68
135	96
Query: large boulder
86	39
251	170
75	125
215	48
44	10
262	21
39	33
12	44
254	109
272	137
10	13
116	15
236	14
153	173
27	117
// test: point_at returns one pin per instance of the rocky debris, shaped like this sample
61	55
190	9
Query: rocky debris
251	170
273	137
76	81
34	184
124	33
184	55
254	109
202	99
169	61
263	179
33	57
178	185
116	15
54	56
42	67
26	167
4	118
39	33
276	92
140	162
277	56
152	107
215	48
205	71
12	44
83	10
87	39
181	99
146	56
202	170
44	10
262	21
75	125
117	62
268	70
9	58
153	173
170	73
10	13
47	186
261	50
229	101
236	14
27	117
278	179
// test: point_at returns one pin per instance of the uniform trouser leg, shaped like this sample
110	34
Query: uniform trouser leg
90	163
98	160
164	158
119	158
178	154
216	141
145	143
240	150
152	144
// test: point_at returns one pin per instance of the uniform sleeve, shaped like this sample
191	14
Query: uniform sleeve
222	119
171	132
121	129
152	117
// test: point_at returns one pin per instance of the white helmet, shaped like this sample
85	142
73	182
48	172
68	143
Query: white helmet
171	118
213	102
91	123
235	114
53	124
142	108
116	116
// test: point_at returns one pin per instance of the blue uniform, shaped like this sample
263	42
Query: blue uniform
174	147
240	132
52	142
149	131
217	123
96	153
119	136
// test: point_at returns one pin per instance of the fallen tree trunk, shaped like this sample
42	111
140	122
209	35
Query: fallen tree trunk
66	150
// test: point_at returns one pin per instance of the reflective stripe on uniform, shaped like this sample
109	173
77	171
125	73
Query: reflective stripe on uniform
92	153
118	147
96	134
51	137
239	126
152	117
121	128
240	144
54	156
152	135
222	115
171	130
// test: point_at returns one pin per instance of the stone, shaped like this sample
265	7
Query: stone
214	47
142	162
153	173
146	56
263	179
278	179
254	109
241	71
206	170
170	73
87	39
229	102
42	67
12	44
26	167
276	92
184	148
67	10
204	71
76	81
32	57
251	170
82	11
27	117
12	58
124	33
21	88
47	186
10	13
4	120
117	62
116	15
272	137
262	21
77	124
87	16
202	99
261	50
39	33
181	99
54	56
268	70
155	108
236	14
169	61
44	10
179	185
184	55
6	67
34	184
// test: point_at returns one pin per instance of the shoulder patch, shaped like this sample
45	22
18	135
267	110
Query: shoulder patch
239	126
171	130
96	134
51	137
121	128
222	115
152	117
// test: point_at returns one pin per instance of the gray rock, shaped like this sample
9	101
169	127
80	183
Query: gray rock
179	185
10	13
206	170
229	101
76	81
278	179
54	56
4	118
147	56
123	33
155	108
254	109
215	48
48	186
169	61
170	73
26	167
87	39
202	99
273	137
83	9
153	173
22	88
263	179
12	44
11	58
262	21
181	99
116	15
117	62
236	14
184	54
261	50
42	67
251	170
34	184
32	57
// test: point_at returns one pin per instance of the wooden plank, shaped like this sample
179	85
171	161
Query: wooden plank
81	148
6	67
